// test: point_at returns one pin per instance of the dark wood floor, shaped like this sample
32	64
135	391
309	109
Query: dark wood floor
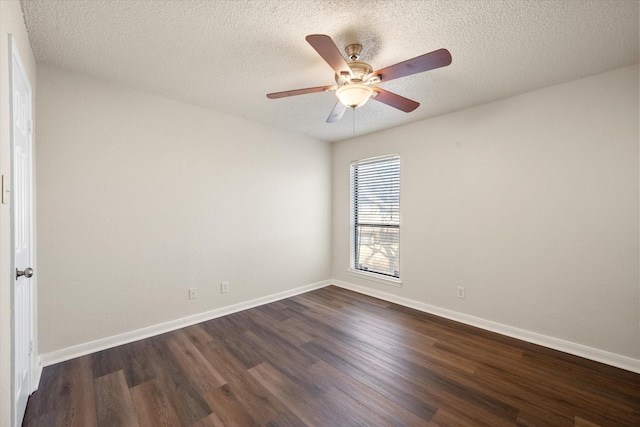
332	357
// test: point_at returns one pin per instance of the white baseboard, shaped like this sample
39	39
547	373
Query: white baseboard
128	337
587	352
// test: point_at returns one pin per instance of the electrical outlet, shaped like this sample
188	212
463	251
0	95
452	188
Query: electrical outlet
460	292
224	287
193	293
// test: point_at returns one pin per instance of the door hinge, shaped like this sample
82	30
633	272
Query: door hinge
31	347
30	128
5	190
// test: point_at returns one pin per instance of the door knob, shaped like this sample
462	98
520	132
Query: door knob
28	272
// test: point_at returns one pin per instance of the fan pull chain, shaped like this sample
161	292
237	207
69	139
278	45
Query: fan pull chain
354	122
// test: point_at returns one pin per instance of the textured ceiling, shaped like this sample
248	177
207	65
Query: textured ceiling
227	55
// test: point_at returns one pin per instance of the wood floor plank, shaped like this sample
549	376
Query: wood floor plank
296	372
395	389
274	313
580	422
355	298
184	396
332	357
449	416
194	365
307	408
540	417
241	390
277	348
293	335
328	377
114	407
293	305
321	299
228	408
80	412
601	379
197	335
353	413
152	406
211	421
226	335
135	362
106	361
559	397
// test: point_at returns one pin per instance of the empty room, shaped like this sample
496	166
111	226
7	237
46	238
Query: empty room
319	213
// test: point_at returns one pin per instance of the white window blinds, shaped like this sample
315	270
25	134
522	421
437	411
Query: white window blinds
375	216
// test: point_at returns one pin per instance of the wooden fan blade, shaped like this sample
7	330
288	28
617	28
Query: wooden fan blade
328	50
394	100
295	92
337	112
428	61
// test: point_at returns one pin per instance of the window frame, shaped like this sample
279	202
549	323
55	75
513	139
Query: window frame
353	229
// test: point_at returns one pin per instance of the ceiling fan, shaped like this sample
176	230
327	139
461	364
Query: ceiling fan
356	81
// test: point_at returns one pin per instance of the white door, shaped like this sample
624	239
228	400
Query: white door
21	131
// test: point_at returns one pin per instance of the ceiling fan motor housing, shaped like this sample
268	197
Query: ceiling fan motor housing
360	70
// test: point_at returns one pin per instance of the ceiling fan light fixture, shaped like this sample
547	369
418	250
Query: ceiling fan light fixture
354	95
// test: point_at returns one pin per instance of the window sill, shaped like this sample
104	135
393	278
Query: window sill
376	278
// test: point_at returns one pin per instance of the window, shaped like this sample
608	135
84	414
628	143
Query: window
375	216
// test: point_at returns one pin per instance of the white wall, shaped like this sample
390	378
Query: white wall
141	198
11	22
531	203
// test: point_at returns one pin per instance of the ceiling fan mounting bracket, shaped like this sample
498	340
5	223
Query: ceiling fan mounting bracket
353	51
